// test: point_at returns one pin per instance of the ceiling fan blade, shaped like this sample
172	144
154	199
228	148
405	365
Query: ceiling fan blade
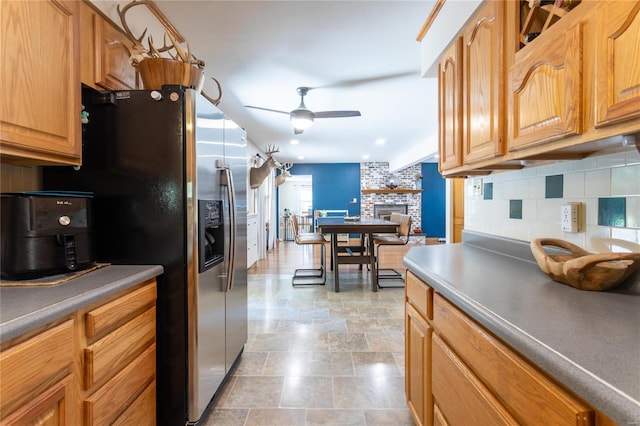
267	109
369	80
336	114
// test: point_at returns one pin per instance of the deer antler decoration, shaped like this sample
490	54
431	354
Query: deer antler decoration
284	173
139	51
258	174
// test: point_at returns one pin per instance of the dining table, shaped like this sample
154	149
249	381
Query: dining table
355	254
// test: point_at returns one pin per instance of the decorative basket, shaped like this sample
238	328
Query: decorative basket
156	72
582	269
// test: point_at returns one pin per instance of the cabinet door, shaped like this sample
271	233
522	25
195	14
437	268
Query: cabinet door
418	367
545	91
54	407
37	378
449	107
39	81
461	398
618	63
112	52
483	107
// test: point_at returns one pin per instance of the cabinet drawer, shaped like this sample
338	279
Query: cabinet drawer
419	295
29	368
122	391
527	394
461	397
109	316
110	354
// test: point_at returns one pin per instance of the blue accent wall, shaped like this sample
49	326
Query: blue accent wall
433	201
334	185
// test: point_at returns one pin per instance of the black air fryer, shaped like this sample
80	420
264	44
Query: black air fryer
45	234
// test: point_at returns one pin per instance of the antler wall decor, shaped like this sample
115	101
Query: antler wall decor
258	174
140	53
284	173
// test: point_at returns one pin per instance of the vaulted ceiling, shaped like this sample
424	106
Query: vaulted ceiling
354	55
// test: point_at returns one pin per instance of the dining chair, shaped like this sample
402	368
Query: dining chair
401	237
309	276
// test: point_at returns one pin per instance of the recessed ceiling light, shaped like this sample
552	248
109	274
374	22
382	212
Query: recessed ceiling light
365	156
300	157
295	141
379	141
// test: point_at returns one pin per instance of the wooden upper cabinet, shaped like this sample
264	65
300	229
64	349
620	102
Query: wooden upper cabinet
39	81
545	91
105	52
449	106
618	63
483	91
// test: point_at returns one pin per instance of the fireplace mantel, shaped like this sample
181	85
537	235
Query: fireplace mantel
391	191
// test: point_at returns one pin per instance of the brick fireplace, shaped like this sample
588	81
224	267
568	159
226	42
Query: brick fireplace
373	175
383	211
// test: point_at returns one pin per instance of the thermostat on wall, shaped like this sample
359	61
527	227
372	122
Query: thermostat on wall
569	217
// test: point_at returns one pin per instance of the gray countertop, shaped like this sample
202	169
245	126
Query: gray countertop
25	308
588	341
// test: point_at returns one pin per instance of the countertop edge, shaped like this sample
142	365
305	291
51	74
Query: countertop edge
103	288
622	409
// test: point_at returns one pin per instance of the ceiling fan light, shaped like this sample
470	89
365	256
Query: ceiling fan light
301	119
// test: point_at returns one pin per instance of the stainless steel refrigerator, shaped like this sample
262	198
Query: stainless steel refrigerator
168	171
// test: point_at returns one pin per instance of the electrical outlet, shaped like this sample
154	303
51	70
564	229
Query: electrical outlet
477	187
570	217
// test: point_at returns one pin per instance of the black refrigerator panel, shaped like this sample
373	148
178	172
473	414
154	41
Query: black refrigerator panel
133	162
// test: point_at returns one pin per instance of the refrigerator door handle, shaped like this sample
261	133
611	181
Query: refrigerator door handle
232	222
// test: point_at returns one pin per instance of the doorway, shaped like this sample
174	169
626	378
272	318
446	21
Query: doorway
295	196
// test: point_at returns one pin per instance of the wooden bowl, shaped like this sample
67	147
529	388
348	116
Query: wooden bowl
582	269
156	72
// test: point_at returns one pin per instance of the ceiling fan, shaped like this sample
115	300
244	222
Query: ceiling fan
302	117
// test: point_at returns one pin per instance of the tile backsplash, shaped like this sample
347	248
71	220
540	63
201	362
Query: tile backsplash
606	186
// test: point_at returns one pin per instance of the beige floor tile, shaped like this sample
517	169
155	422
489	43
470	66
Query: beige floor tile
372	312
362	325
275	417
226	417
388	418
333	325
295	325
267	342
375	364
360	392
251	364
347	342
330	364
335	417
254	391
317	341
380	342
287	364
307	392
392	324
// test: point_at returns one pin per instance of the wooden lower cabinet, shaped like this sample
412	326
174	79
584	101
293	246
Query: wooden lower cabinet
96	366
38	381
417	359
471	377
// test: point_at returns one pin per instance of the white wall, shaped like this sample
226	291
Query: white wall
615	175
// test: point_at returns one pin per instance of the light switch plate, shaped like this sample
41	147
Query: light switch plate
570	217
